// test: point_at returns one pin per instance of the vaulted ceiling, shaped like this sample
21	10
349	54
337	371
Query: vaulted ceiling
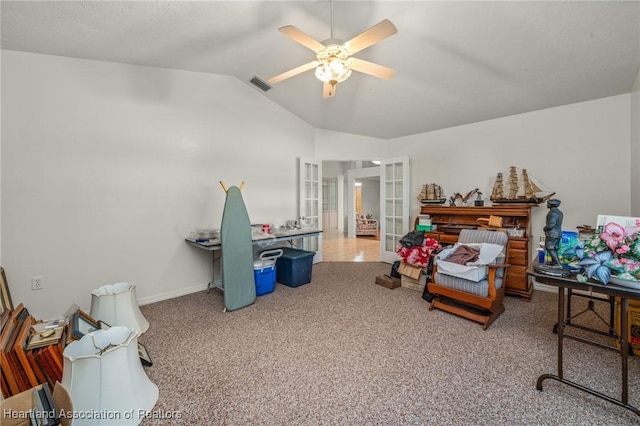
455	62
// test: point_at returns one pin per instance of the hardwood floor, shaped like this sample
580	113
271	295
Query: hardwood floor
336	247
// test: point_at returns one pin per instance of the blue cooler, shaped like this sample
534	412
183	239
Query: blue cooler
264	271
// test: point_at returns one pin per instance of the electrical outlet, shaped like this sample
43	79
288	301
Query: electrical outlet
37	283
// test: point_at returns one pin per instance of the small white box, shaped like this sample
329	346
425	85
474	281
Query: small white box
424	220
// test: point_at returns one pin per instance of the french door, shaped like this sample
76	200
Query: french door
394	205
310	202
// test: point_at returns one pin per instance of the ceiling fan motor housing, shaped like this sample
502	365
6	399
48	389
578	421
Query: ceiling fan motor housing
337	50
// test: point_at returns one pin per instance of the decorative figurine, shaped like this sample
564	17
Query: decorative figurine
553	231
553	234
479	202
458	199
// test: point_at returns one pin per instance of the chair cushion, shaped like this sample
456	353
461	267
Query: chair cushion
480	288
482	236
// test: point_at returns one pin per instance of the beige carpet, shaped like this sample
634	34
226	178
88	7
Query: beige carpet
345	351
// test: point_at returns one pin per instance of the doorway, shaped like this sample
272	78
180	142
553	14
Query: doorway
338	245
393	189
329	203
340	248
366	182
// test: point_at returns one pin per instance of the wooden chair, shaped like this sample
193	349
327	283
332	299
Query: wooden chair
479	301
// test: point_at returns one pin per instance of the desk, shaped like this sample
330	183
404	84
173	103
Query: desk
215	247
611	290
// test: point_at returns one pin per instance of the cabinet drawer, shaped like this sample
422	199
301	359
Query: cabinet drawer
448	239
517	278
444	239
518	244
434	235
517	257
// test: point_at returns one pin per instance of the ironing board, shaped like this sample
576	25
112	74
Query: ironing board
237	253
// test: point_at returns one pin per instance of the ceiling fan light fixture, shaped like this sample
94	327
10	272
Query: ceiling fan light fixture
333	70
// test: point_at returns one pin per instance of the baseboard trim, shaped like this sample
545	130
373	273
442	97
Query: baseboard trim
172	294
552	289
544	287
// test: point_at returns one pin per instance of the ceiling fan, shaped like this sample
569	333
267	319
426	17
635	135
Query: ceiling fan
334	62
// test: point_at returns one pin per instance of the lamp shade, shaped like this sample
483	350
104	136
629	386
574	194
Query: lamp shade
105	379
116	304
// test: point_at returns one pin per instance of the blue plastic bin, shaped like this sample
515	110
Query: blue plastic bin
293	268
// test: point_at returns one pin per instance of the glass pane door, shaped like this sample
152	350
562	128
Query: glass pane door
310	197
394	205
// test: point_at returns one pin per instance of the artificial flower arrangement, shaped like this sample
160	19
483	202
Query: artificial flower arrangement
419	255
616	250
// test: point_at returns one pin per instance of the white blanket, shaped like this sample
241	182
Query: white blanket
474	271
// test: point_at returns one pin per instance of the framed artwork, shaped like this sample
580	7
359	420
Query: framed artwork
5	295
144	355
81	324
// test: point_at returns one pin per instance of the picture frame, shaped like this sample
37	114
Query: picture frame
5	294
144	355
81	324
45	338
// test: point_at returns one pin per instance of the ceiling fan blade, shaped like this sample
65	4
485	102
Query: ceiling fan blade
370	68
288	74
373	35
329	90
301	37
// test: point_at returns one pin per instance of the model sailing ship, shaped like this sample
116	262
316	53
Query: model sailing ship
431	194
520	190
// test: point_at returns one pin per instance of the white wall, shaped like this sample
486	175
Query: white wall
336	146
107	167
347	147
635	148
579	150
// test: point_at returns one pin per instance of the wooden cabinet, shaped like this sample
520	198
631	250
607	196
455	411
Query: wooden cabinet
449	220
